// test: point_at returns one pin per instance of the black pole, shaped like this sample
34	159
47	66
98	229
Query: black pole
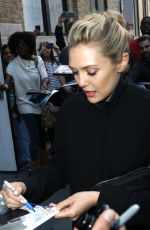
46	17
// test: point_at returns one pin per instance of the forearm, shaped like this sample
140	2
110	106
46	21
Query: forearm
62	80
44	183
44	83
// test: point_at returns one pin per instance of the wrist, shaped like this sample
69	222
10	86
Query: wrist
94	195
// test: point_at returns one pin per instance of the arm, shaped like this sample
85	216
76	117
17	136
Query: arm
60	41
120	197
43	73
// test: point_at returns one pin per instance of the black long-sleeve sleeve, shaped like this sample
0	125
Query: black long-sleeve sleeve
60	41
136	192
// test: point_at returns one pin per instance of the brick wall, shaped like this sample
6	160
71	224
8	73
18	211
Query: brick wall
83	8
11	11
113	5
11	18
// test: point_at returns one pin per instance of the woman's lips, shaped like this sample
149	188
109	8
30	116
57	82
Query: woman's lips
90	93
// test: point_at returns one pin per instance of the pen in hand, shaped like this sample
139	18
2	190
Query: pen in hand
25	202
126	216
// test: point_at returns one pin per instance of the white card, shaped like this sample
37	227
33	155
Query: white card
32	220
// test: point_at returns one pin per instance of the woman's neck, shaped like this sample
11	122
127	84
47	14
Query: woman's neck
48	59
27	57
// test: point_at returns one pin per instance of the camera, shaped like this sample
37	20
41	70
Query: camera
49	45
69	14
87	220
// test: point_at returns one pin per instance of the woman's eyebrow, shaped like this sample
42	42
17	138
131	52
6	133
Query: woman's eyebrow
84	67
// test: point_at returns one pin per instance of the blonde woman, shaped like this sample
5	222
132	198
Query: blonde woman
100	132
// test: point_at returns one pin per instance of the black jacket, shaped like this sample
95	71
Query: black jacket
140	72
95	142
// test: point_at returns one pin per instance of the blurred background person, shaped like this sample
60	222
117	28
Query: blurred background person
20	132
140	72
26	76
135	52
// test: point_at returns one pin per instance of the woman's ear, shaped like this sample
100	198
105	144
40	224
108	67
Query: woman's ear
122	65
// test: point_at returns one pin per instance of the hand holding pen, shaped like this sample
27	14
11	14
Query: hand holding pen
13	199
109	219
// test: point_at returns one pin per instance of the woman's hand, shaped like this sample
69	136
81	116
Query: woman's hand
77	204
44	84
11	199
3	86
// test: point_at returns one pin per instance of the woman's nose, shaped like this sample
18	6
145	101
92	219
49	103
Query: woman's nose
81	79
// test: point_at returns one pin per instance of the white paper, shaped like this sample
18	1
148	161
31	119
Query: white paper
32	220
63	69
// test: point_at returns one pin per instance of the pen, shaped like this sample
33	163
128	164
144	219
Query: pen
127	215
26	203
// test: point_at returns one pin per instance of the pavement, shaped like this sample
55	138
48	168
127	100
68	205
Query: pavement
53	224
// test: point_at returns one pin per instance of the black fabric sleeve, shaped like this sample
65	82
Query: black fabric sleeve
115	197
54	176
45	182
60	41
121	197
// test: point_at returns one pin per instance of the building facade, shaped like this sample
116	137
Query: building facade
19	15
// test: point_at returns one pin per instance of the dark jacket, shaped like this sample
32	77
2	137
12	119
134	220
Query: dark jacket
140	72
95	142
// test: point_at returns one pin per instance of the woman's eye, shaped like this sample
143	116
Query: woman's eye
92	73
75	72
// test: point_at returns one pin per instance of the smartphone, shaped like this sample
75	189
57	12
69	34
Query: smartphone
37	27
69	14
49	45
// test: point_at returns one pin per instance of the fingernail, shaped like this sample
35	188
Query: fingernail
16	193
21	201
52	205
109	215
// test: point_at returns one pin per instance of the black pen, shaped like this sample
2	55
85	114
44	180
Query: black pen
126	216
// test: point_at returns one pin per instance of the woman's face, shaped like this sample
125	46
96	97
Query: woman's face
94	73
46	52
7	56
24	51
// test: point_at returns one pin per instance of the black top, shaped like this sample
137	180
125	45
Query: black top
95	142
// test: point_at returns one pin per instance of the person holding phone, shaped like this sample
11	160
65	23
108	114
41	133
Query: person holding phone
102	132
47	54
64	51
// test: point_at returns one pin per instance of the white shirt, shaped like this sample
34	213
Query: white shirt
26	77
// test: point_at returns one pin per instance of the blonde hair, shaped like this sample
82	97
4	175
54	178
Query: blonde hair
103	29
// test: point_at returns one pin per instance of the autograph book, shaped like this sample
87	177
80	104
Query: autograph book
31	220
41	98
63	69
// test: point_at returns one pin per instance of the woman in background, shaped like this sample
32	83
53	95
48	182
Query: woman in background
26	76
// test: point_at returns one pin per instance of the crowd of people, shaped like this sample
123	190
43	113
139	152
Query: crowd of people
101	144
